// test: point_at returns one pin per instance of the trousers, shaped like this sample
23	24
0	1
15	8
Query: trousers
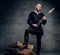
38	37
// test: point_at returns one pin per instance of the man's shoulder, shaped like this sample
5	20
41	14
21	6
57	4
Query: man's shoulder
42	13
32	12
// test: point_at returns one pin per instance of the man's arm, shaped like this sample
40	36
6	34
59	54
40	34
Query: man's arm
29	21
44	20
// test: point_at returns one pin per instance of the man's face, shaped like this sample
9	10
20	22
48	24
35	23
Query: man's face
38	7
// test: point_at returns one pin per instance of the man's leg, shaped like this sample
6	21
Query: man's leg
38	36
26	37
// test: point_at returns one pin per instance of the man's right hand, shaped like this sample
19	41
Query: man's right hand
35	25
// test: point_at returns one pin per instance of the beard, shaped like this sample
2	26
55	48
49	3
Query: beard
38	10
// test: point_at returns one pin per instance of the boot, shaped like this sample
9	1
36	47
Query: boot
26	39
23	47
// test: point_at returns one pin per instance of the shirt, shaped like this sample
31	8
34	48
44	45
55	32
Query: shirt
34	18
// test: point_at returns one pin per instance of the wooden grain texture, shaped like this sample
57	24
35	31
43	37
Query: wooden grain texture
13	49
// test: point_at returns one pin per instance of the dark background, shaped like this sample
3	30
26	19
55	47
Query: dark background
13	17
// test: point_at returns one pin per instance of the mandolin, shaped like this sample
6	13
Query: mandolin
37	28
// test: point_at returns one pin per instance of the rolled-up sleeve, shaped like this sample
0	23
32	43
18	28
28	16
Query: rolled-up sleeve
44	22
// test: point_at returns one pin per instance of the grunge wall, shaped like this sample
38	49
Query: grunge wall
13	17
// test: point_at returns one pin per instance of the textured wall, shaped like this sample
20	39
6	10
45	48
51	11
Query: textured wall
13	17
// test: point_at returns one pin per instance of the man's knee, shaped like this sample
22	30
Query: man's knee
27	31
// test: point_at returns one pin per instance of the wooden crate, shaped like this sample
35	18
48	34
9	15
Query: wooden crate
13	50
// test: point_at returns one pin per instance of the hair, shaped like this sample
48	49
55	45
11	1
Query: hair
38	4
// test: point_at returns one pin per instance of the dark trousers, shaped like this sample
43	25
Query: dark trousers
38	37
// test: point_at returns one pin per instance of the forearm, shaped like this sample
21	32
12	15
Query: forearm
44	20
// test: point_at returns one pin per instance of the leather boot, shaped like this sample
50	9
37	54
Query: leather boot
26	39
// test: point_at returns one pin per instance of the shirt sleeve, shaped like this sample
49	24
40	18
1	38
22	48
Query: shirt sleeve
44	21
29	21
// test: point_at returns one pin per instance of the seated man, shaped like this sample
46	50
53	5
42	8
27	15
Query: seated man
35	20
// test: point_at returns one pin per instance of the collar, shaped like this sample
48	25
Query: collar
37	12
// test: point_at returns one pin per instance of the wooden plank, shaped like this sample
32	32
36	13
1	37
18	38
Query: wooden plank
30	46
12	49
17	51
15	45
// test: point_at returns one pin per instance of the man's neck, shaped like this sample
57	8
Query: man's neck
37	11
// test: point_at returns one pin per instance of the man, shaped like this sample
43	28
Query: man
34	28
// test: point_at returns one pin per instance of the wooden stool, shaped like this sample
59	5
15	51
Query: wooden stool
13	50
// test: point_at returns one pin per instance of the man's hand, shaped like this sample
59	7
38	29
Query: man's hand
35	25
44	18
